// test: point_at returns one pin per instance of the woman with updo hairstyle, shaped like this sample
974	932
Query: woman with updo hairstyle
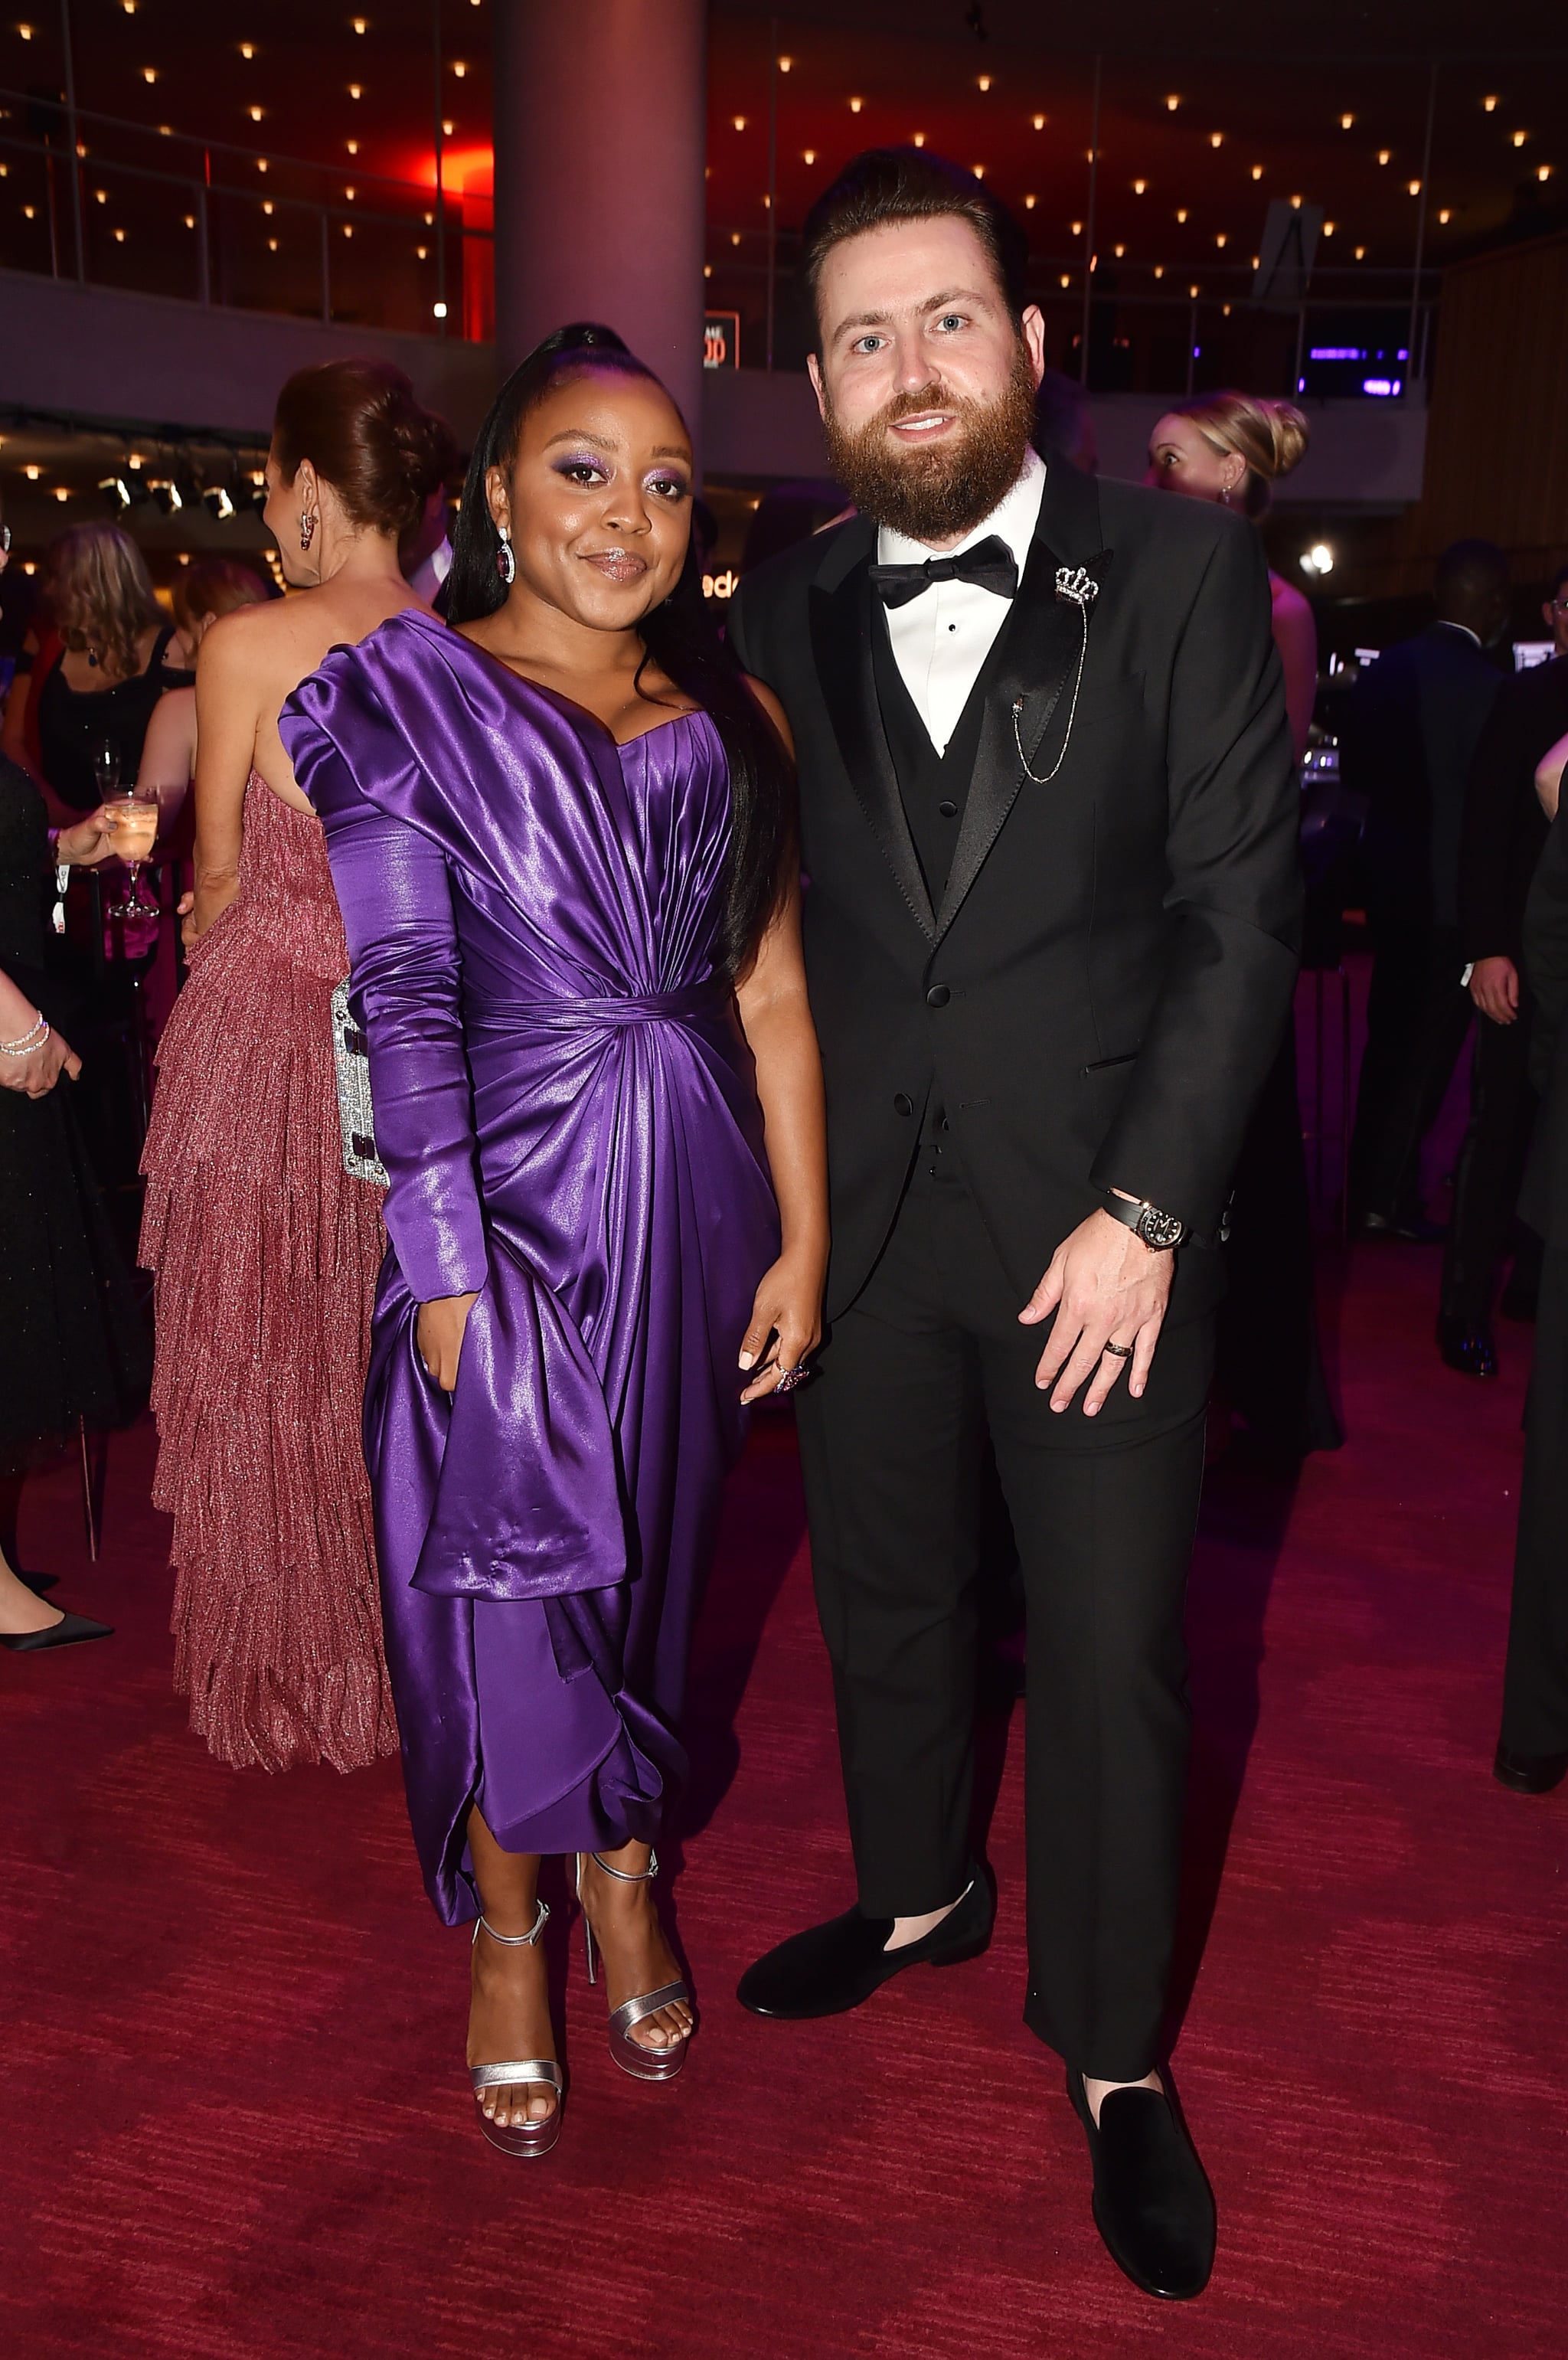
1232	448
562	836
260	1226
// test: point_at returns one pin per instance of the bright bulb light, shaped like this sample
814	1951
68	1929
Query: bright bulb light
438	311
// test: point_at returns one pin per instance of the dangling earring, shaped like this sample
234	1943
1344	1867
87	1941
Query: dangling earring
506	562
1225	493
307	530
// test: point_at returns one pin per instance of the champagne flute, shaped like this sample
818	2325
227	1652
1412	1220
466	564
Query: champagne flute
135	815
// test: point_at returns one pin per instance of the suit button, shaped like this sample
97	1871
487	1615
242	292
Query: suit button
948	810
938	996
903	1105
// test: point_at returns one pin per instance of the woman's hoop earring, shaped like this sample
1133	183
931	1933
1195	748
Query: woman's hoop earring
506	562
307	530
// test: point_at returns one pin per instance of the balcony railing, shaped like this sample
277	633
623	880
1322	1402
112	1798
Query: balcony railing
109	203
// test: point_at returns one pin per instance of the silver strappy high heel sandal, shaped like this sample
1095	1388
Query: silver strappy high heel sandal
644	2064
525	2137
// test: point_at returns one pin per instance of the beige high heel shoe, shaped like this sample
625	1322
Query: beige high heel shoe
643	2064
525	2137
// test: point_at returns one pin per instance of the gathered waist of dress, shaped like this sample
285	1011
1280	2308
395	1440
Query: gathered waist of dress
696	1003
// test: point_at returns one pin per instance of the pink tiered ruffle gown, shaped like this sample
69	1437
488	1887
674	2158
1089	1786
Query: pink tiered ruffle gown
265	1254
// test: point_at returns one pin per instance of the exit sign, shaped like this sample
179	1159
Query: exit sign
721	340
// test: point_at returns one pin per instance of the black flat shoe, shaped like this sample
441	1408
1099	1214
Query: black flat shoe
831	1968
1470	1350
1529	1774
1153	2206
69	1631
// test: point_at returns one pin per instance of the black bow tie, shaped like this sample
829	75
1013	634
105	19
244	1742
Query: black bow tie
989	564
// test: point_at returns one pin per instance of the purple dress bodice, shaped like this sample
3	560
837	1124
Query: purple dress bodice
565	1106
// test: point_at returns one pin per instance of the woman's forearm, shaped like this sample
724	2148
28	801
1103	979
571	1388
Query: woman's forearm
789	1084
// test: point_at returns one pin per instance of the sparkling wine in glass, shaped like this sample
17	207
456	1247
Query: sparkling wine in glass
134	811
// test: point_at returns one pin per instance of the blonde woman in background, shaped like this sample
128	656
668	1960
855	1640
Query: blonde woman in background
1232	448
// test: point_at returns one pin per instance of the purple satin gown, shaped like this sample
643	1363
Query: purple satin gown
566	1107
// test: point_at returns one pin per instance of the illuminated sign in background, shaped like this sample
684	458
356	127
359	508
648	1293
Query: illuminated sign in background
721	340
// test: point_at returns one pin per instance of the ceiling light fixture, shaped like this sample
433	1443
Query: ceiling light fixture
978	171
261	163
1415	187
809	155
422	253
150	74
1159	270
1077	229
355	90
1180	212
116	494
267	204
982	81
740	123
1519	137
447	130
61	492
438	311
1361	254
1543	171
358	23
1346	121
920	139
352	147
1030	204
1172	102
1216	138
1067	279
32	474
1139	186
1490	105
1119	251
1297	203
854	105
1258	171
1039	122
1384	154
255	113
1446	215
1220	237
1328	228
459	68
216	499
247	49
785	64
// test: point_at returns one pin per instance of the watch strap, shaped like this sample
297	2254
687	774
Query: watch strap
1159	1231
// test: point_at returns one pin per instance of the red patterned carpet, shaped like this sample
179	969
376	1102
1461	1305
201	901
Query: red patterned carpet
234	2123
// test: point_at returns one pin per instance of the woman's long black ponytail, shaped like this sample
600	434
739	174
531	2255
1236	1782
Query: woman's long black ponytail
679	635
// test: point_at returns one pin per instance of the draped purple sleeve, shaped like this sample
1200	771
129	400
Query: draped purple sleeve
395	893
508	1490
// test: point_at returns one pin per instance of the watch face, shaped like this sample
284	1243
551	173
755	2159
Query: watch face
1160	1229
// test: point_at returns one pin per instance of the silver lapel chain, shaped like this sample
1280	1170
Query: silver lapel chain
1081	590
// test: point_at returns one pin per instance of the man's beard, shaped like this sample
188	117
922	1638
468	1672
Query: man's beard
942	493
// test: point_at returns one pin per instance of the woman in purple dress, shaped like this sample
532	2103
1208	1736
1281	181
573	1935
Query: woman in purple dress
562	842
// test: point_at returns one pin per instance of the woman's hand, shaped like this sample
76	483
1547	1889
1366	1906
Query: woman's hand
38	1072
439	1333
788	1308
88	842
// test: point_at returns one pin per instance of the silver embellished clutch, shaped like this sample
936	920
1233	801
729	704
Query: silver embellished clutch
351	1063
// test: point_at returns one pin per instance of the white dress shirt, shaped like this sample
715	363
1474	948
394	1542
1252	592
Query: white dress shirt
941	639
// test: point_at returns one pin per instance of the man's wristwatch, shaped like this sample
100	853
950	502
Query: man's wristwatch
1159	1231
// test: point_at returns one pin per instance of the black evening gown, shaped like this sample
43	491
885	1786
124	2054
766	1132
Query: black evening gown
73	1342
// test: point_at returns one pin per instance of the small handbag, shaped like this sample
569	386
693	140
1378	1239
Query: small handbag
356	1115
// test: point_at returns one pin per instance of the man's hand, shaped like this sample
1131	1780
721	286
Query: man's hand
1494	987
1106	1288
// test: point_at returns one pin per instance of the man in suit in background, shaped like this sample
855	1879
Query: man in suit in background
1532	1751
1049	817
1500	843
1411	729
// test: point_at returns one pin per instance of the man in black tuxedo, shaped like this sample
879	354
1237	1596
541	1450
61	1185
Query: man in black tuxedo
1411	729
1501	843
1049	823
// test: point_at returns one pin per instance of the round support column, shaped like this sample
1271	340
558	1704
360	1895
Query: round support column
601	134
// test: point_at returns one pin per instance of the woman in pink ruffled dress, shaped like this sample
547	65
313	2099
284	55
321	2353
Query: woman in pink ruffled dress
265	1250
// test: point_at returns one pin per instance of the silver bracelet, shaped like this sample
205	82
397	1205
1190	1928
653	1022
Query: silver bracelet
34	1038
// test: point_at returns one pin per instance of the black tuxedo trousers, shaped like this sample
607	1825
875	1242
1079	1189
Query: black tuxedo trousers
892	1441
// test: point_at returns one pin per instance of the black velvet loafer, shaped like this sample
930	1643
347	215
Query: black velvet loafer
1153	2206
1529	1774
830	1969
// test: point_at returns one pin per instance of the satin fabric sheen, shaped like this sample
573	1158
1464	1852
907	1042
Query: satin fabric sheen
567	1111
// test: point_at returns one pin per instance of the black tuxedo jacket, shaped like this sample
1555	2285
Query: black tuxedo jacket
1102	989
1543	1201
1505	827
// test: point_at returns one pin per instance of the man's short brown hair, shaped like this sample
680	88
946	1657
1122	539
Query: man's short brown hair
909	184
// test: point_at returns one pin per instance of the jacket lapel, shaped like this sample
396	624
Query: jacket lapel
840	645
1034	678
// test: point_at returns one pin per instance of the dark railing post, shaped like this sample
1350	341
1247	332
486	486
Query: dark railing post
1089	226
71	141
1422	200
203	251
